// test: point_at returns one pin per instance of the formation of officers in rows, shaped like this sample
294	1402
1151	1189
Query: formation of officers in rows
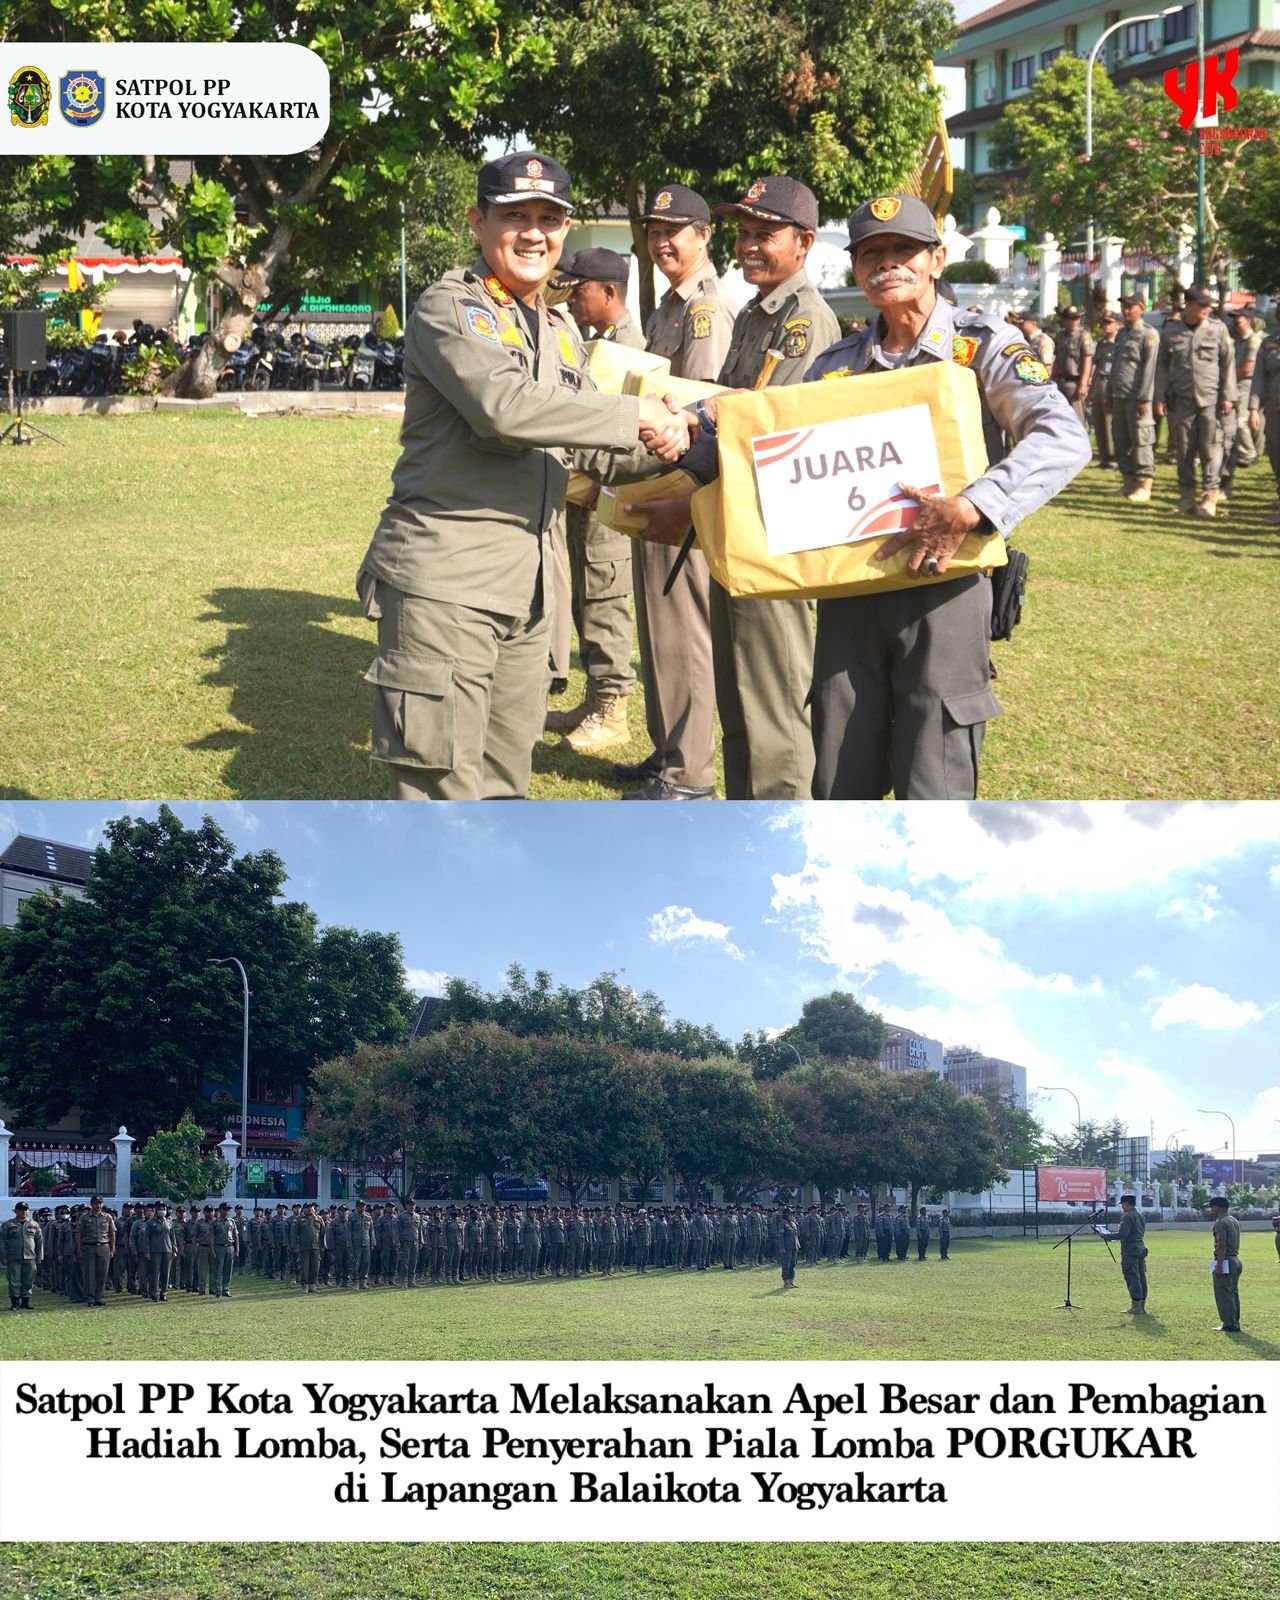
154	1249
1212	378
465	575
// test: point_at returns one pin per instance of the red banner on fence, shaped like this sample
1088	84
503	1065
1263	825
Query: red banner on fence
1072	1183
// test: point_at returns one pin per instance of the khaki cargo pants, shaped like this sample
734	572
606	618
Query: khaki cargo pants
600	589
459	695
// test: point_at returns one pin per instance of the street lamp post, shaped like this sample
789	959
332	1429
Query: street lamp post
1054	1088
223	961
1150	16
1205	1112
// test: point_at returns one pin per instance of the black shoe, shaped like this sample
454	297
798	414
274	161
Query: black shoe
559	686
1109	466
660	789
637	771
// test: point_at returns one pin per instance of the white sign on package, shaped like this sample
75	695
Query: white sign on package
839	482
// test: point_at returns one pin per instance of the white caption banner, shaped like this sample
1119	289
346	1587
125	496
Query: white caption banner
838	482
162	99
745	1450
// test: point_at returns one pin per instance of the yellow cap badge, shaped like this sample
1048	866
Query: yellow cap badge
886	208
755	191
663	202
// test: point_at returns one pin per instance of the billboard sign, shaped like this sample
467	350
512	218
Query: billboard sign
1221	1171
1060	1184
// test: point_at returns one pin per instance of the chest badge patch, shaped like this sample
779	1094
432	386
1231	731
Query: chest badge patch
796	337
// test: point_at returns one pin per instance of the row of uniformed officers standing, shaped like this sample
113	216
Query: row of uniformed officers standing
154	1249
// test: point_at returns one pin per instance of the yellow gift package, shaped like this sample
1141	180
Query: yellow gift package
675	484
810	476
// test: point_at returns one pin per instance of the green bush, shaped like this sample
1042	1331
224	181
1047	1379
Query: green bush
147	368
970	272
389	324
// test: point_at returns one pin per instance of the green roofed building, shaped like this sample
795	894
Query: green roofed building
1002	50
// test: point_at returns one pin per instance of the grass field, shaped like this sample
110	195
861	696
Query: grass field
993	1299
644	1571
178	619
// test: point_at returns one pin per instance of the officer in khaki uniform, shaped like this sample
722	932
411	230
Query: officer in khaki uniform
1264	407
498	406
226	1244
1073	361
1226	1264
599	558
1042	347
691	325
1103	355
1130	393
1246	342
95	1245
1197	368
22	1247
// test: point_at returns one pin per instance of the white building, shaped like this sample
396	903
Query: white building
35	866
972	1072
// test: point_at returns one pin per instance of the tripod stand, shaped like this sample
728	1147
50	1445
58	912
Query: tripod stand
1068	1304
23	432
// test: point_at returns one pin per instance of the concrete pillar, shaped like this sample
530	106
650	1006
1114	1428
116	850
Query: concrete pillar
956	244
1111	272
668	1189
717	1194
486	1189
5	1136
229	1149
992	242
1186	256
615	1191
1050	260
324	1184
123	1142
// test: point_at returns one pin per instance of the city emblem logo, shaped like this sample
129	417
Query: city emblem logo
533	168
29	98
663	202
755	191
886	208
963	350
82	97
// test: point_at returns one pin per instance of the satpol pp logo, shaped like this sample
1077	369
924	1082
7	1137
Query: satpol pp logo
82	97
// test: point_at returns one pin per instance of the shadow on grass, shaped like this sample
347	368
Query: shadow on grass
296	686
9	793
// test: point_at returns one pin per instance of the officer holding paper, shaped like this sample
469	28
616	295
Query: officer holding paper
901	692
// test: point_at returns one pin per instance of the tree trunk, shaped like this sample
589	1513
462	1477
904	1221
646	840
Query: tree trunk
640	246
197	379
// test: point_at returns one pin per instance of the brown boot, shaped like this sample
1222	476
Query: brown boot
567	721
1208	504
1127	485
1186	502
1140	493
605	727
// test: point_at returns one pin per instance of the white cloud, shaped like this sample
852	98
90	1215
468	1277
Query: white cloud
423	981
1205	1008
858	927
1203	907
1003	850
1147	974
248	820
682	925
1274	875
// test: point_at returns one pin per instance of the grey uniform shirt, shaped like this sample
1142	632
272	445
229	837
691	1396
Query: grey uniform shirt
493	421
1197	365
692	326
1133	366
623	332
1050	446
1264	392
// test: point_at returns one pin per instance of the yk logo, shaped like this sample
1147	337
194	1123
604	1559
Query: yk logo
1218	85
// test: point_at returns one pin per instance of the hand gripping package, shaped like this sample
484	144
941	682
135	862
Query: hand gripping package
811	474
610	365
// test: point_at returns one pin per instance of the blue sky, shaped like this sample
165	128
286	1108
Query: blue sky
1127	952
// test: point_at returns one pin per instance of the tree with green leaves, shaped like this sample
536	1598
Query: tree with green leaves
832	1027
404	80
1141	184
838	1116
437	237
604	1009
717	92
174	1167
1019	1133
1249	212
718	1125
110	1003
